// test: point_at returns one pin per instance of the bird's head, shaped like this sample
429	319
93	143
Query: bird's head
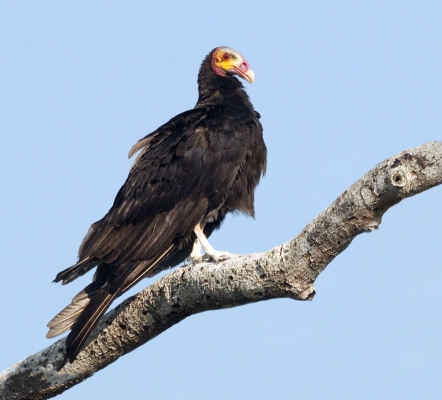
226	61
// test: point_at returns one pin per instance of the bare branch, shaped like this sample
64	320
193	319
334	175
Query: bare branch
289	270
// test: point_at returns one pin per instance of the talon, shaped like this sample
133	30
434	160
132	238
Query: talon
219	256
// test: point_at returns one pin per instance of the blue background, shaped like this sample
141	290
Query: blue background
341	85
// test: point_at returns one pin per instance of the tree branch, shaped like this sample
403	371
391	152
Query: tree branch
288	270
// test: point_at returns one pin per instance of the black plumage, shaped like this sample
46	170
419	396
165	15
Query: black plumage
191	172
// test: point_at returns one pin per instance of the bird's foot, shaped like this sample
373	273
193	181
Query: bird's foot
219	256
196	259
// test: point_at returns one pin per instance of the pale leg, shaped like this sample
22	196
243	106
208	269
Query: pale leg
215	255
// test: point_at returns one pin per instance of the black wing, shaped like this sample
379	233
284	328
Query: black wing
174	183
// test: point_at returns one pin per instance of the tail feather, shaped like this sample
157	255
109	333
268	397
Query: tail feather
86	322
71	273
67	317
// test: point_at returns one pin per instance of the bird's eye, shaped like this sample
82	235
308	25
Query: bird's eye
226	56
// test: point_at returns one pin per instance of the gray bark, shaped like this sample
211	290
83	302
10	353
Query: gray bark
288	270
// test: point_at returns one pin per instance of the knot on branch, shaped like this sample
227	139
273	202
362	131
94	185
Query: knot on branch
398	177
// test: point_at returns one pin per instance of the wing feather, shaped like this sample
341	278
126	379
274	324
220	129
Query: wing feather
151	210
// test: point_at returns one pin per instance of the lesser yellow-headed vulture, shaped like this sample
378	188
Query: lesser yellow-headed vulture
190	172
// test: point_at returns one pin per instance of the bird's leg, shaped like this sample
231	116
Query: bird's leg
196	255
215	255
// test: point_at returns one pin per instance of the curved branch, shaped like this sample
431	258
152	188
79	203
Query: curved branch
288	270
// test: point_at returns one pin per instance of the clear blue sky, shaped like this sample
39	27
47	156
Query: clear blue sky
341	85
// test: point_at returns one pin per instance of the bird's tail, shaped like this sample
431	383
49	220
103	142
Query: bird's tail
88	306
82	315
67	317
99	302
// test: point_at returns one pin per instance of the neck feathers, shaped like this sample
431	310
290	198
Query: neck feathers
214	89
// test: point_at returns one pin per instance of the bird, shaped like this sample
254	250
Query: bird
188	175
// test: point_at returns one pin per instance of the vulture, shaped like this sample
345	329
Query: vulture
189	173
